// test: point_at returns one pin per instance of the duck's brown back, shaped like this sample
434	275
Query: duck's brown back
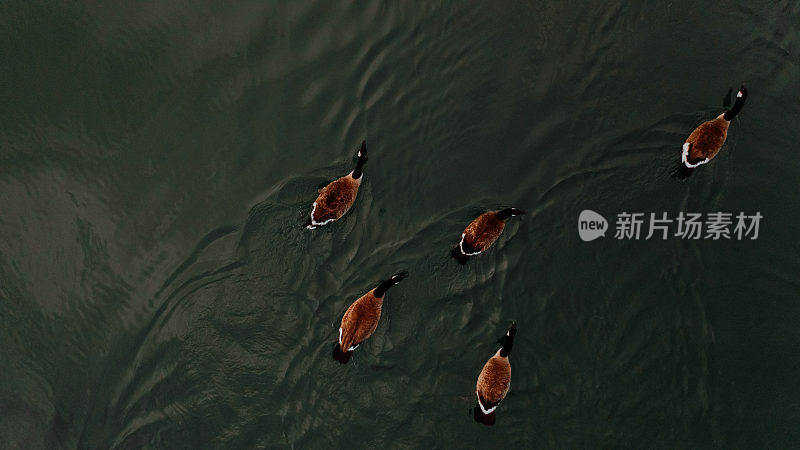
335	199
707	139
483	231
360	320
494	380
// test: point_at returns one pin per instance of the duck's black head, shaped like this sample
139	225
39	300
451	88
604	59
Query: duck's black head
741	96
507	213
385	285
512	330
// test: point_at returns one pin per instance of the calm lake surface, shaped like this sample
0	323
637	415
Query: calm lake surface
158	159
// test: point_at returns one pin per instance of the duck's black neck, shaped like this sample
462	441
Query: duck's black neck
741	96
507	346
362	158
382	288
359	170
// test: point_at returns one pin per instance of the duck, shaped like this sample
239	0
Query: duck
482	232
706	140
361	318
337	198
494	380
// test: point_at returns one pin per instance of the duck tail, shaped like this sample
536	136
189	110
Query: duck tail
458	256
682	172
688	164
741	96
308	224
486	419
341	356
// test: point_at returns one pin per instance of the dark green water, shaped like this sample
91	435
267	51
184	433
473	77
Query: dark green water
157	159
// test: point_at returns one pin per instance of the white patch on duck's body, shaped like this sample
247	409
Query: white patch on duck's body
340	342
314	223
461	247
484	410
685	157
